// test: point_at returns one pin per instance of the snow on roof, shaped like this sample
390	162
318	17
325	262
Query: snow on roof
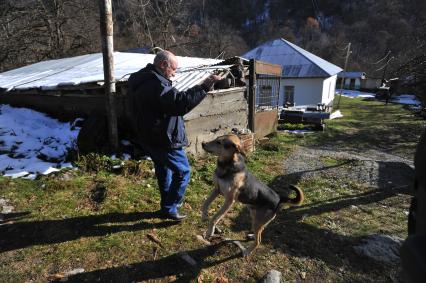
88	68
296	62
352	75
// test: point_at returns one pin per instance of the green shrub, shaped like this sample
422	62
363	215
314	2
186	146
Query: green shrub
94	162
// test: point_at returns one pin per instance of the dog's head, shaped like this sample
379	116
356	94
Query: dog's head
225	146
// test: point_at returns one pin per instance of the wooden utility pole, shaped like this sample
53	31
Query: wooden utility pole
348	52
108	59
252	95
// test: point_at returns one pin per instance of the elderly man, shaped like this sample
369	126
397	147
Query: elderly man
158	109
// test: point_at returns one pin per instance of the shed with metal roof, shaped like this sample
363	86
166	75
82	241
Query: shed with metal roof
306	78
73	87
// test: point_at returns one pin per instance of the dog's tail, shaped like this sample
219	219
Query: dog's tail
293	201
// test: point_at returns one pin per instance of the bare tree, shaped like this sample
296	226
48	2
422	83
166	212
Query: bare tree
35	30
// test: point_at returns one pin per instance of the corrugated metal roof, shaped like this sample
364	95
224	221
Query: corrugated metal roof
52	74
296	62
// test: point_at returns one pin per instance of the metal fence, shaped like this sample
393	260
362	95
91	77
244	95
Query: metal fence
267	92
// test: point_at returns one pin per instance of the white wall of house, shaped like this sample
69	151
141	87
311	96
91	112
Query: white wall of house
329	90
309	91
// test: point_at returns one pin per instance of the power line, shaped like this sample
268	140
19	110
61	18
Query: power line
375	63
387	62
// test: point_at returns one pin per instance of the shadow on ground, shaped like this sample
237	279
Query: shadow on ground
380	174
25	234
173	266
290	235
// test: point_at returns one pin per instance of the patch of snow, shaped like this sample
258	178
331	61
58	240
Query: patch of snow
30	177
354	93
407	99
336	114
66	165
383	248
298	132
33	143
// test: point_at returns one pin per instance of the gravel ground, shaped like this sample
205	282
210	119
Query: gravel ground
370	167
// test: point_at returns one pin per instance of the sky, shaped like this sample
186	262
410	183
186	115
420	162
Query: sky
32	143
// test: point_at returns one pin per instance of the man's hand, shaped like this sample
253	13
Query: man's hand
209	82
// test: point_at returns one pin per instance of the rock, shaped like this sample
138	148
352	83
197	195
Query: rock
273	276
383	248
3	201
7	209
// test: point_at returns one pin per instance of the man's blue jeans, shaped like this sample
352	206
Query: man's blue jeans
173	173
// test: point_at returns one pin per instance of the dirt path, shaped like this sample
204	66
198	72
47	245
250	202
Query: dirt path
370	167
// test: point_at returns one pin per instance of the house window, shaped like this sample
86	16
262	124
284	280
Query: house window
288	95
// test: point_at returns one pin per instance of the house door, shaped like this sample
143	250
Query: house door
288	95
352	84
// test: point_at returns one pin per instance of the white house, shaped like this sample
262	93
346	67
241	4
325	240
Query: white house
306	78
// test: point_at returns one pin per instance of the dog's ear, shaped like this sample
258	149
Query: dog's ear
240	149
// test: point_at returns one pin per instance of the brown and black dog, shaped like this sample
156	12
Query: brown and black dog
235	183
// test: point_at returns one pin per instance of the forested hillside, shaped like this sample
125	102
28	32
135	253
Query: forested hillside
34	30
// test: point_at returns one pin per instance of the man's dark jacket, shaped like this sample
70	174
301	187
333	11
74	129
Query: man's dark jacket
157	108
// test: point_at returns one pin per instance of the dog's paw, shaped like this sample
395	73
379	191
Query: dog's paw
209	233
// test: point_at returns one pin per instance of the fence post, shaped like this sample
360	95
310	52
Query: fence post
108	60
252	95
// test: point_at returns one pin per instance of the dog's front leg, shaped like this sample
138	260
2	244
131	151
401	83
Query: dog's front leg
207	202
218	216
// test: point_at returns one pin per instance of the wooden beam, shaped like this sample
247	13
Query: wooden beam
108	60
252	95
265	68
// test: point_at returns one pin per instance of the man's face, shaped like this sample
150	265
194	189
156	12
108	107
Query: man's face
169	68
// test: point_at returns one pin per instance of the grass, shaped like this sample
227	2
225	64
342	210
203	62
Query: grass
98	218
